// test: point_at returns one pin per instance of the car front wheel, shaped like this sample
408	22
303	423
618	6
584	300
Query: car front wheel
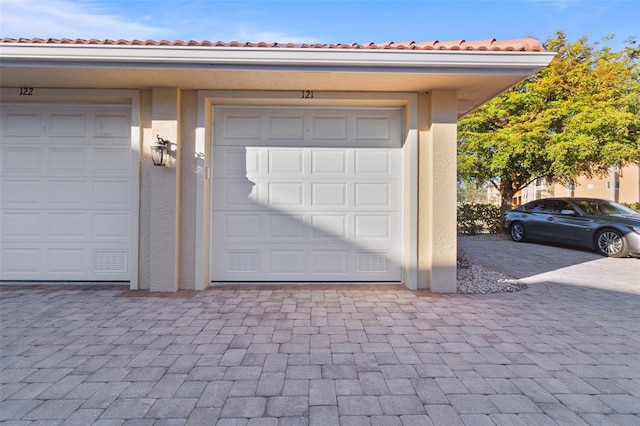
517	232
611	243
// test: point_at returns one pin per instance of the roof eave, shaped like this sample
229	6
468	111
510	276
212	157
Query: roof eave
303	59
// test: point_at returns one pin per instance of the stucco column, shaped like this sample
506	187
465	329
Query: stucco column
165	193
437	241
188	192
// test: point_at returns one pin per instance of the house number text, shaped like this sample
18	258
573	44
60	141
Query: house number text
26	91
307	94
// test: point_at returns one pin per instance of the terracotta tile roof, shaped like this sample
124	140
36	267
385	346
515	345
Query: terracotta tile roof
526	44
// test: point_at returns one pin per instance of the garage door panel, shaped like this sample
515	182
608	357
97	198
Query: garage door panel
289	261
372	162
329	226
110	194
285	195
285	227
110	263
373	262
330	262
286	127
21	160
238	126
66	194
237	225
288	196
67	124
328	162
373	227
235	194
111	161
231	226
67	226
231	161
21	124
325	194
329	128
307	209
64	225
377	227
288	162
21	192
22	262
112	125
111	226
66	161
21	225
256	163
230	262
66	261
373	128
301	263
374	195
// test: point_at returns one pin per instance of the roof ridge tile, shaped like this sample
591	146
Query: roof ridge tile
526	44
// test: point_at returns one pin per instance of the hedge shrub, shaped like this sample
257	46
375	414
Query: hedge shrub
634	206
474	218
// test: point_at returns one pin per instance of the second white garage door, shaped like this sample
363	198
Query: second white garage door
303	195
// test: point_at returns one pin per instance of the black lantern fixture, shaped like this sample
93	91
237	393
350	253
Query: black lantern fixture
159	151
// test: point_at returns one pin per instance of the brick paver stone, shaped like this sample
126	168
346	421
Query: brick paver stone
359	406
16	409
562	352
323	415
244	407
322	392
176	408
623	404
291	406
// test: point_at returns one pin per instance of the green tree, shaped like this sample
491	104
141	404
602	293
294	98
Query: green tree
578	116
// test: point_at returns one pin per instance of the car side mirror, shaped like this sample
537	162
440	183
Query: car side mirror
568	212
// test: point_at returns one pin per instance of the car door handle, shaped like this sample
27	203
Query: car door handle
550	219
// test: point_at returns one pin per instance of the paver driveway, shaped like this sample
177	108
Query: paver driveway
556	353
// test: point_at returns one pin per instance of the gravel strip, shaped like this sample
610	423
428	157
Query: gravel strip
476	279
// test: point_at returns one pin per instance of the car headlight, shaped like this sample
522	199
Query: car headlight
636	229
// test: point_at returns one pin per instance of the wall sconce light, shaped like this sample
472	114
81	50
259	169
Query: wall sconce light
159	151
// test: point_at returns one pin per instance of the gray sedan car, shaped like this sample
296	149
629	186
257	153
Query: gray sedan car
605	226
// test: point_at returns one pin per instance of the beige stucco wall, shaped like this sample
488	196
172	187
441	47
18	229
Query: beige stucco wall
168	194
437	196
163	187
630	184
146	167
596	187
188	189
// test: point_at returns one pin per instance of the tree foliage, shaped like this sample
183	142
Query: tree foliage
578	116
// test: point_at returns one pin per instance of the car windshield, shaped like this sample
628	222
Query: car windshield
604	208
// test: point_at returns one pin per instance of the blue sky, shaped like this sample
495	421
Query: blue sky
319	21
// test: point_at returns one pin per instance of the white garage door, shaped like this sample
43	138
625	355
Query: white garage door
307	194
66	193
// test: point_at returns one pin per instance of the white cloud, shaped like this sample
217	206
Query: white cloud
559	4
101	19
271	37
66	19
